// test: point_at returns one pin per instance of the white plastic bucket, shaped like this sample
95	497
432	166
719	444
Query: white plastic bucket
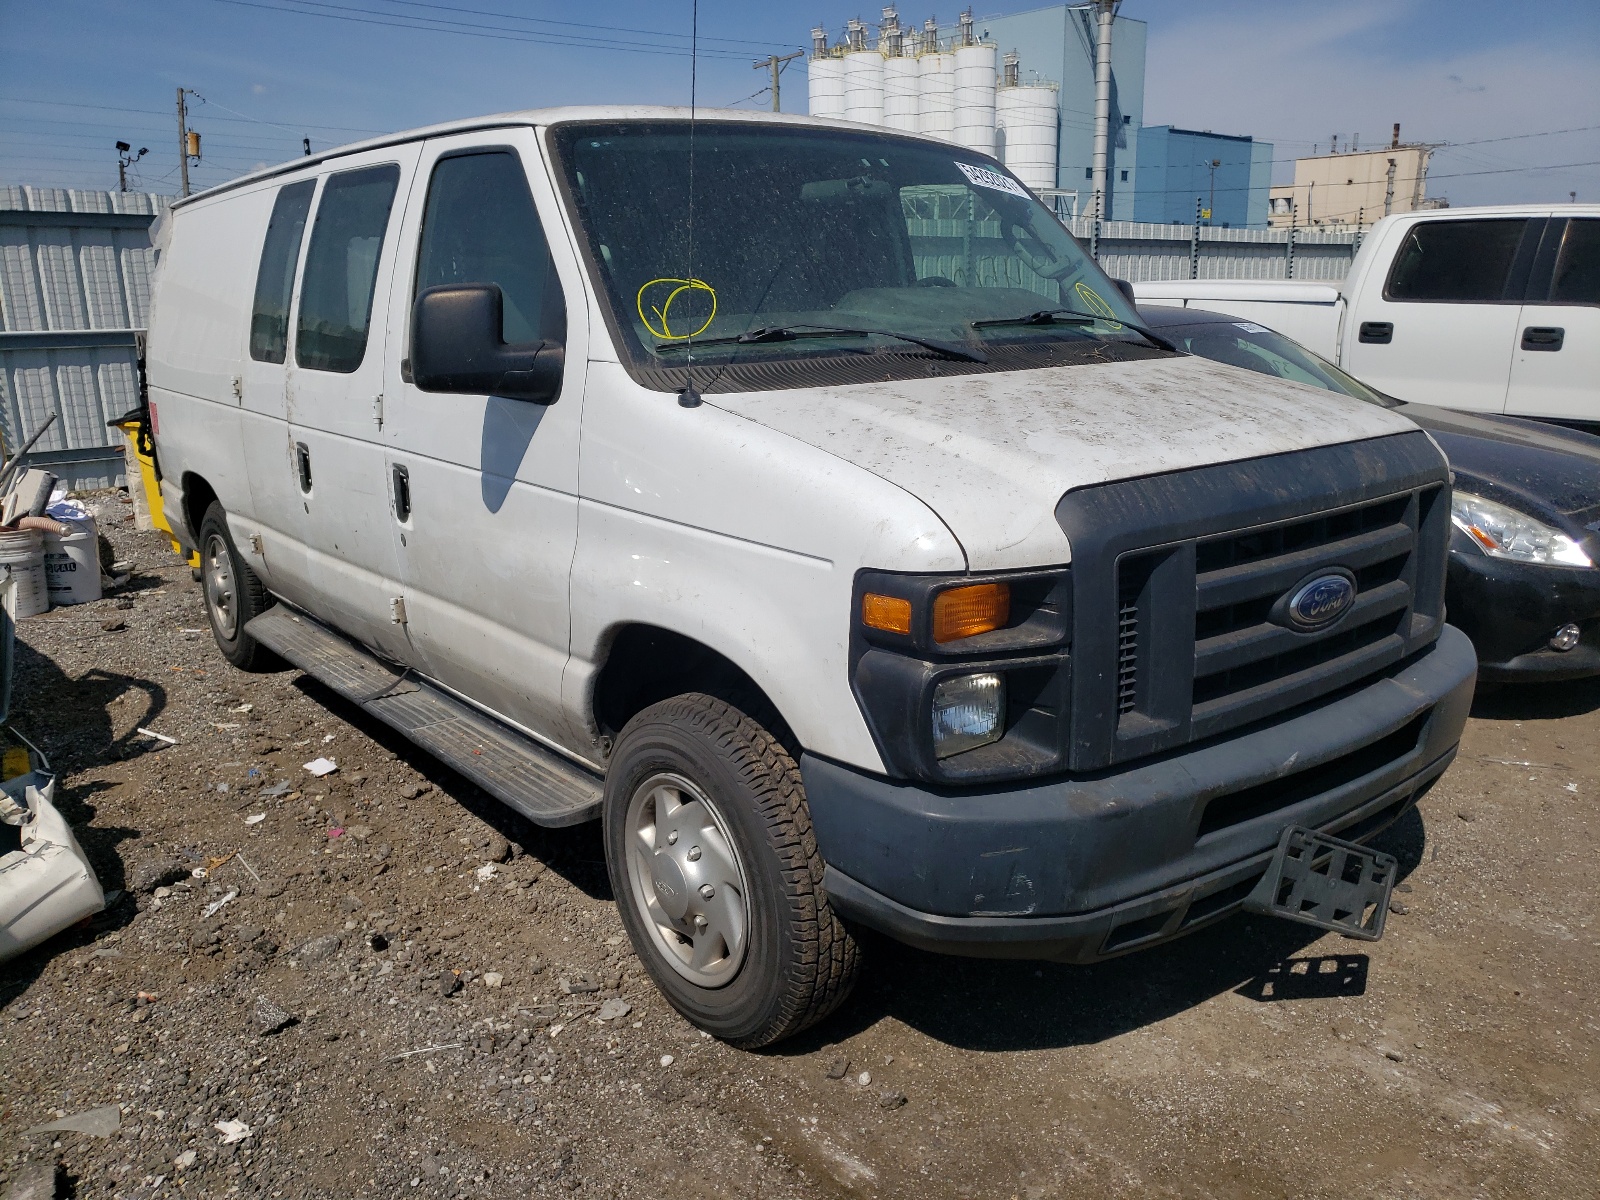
22	560
72	563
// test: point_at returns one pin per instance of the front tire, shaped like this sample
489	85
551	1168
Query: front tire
717	876
234	596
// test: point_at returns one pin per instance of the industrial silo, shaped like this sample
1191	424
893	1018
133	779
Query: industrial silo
863	77
1025	123
974	95
936	87
901	87
825	78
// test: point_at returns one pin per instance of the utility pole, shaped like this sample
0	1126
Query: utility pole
1105	13
1211	206
188	139
1388	194
775	64
183	146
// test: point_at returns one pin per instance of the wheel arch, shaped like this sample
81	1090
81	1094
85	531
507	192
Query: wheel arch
198	497
643	664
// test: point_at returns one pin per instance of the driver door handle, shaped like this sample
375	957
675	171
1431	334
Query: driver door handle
1543	337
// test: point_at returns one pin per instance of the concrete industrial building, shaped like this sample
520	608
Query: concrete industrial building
1230	176
1355	187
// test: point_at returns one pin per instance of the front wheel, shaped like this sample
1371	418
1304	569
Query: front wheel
234	595
717	876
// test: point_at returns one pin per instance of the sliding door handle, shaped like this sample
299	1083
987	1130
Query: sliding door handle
401	485
302	465
1377	333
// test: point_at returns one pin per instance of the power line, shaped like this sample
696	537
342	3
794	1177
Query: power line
155	112
475	12
467	28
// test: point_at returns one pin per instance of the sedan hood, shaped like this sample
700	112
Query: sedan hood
992	454
1551	468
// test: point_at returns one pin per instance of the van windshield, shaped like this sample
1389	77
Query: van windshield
809	242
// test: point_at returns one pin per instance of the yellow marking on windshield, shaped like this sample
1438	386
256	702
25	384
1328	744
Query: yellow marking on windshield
679	287
1095	303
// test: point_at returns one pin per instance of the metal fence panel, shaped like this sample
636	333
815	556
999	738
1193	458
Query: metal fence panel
75	271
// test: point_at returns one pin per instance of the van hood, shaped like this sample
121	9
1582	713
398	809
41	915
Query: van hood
992	454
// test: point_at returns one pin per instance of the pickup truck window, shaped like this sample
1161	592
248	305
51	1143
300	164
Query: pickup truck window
1577	275
805	237
342	268
280	252
1456	262
480	226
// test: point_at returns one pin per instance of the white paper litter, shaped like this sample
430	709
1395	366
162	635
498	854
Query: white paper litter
242	708
322	766
215	906
233	1131
486	872
255	818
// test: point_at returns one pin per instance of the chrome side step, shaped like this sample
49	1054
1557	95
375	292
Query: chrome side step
538	783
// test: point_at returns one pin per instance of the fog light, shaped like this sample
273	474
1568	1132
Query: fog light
1566	638
968	711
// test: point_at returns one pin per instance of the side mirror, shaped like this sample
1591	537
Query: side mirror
1126	289
456	347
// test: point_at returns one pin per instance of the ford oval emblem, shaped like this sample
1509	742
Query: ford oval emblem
1321	601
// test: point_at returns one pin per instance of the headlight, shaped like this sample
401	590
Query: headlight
968	711
1503	532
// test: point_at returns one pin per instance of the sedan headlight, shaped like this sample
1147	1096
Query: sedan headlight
1503	532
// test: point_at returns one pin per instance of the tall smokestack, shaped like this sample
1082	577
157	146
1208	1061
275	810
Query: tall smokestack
1105	12
1395	144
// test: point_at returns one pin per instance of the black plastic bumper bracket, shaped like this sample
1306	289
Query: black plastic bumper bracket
1327	882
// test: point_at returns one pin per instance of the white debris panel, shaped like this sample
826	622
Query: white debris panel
47	885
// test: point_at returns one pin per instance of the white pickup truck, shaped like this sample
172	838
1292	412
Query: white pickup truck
1486	309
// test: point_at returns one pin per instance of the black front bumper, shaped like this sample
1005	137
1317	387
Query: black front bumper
1510	610
1088	867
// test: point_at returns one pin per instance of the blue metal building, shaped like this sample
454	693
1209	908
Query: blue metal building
1175	169
1056	44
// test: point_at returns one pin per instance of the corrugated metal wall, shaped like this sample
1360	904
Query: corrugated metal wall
74	289
1141	252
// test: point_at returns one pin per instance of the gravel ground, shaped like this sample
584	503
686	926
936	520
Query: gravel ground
396	987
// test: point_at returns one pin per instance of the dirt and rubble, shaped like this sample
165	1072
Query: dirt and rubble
379	982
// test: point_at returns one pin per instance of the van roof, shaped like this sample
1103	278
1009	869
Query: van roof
535	116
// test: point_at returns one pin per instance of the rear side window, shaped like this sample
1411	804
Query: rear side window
480	226
1461	262
342	268
269	315
1577	277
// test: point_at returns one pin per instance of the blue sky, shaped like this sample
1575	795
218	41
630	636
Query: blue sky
76	75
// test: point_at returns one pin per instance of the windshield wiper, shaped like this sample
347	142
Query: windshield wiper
1074	316
789	333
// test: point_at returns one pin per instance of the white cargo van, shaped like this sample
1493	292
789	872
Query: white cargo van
1484	309
831	530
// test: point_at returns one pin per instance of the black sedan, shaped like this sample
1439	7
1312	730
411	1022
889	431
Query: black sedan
1523	582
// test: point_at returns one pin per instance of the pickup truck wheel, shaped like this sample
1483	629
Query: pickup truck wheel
234	595
717	875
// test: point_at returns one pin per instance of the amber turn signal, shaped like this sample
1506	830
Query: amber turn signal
964	612
888	613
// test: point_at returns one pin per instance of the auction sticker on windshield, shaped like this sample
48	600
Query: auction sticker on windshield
993	180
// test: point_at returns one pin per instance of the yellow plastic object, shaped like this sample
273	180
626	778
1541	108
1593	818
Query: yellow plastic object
15	762
152	490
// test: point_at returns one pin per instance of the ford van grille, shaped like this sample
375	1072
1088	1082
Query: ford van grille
1197	628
